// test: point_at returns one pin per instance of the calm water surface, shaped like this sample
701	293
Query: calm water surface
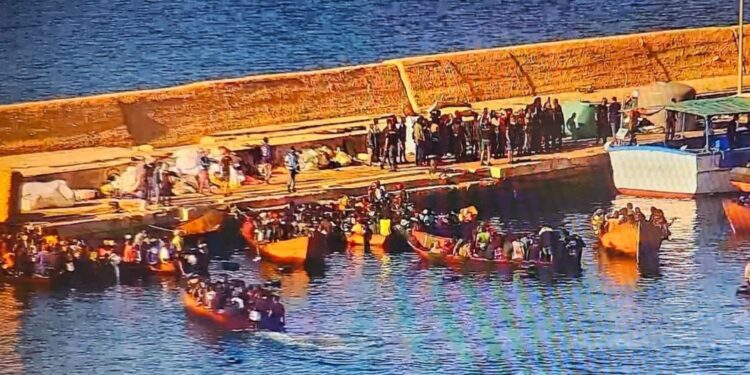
379	313
60	48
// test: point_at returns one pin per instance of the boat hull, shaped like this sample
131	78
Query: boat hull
224	320
737	215
210	221
633	240
289	252
359	240
669	173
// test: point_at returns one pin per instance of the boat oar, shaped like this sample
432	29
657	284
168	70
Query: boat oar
160	228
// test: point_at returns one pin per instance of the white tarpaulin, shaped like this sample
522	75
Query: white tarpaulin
187	161
38	195
127	182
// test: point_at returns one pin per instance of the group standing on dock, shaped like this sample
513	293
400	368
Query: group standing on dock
467	135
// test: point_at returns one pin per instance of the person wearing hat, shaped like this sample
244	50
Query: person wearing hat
291	162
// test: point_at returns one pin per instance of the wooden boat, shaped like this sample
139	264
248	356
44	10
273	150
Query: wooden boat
357	239
292	252
421	242
633	239
222	319
739	177
210	221
738	216
33	280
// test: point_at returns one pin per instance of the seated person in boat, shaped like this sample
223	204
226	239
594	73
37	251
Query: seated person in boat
519	250
659	220
482	243
130	253
598	222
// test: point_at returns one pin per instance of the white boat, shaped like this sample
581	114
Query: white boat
663	171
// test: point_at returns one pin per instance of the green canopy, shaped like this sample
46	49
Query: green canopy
712	107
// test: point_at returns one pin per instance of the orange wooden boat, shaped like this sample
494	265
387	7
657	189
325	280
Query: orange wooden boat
632	239
34	280
292	252
357	239
210	221
421	242
166	269
225	320
737	215
741	186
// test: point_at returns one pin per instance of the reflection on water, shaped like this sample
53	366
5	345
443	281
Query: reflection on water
387	313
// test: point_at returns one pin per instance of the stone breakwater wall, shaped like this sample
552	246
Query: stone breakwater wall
182	114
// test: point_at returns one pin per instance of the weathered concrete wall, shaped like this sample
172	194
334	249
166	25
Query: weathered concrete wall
181	115
613	62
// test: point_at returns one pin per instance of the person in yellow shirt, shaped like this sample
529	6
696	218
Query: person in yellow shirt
178	243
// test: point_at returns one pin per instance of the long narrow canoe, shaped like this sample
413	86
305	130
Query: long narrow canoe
291	252
738	216
222	319
633	239
421	242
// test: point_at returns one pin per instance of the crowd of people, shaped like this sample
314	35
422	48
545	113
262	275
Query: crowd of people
467	135
602	222
34	252
232	297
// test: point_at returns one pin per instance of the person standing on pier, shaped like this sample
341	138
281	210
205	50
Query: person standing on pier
558	124
165	185
485	137
266	160
602	121
204	183
291	162
373	148
419	141
392	139
226	169
459	139
401	128
614	118
546	128
671	123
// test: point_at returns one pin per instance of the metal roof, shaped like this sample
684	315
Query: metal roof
712	107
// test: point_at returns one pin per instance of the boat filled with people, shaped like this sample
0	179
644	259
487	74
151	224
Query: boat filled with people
628	232
35	256
232	305
457	239
305	233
